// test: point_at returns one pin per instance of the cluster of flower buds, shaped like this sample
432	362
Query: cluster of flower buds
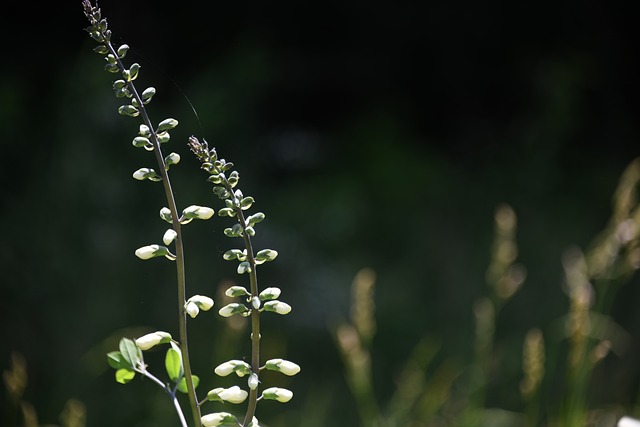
225	181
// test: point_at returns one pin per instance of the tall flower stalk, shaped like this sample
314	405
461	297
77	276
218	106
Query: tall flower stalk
150	138
225	181
128	360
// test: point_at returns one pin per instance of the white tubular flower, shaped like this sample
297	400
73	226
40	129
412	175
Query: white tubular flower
147	252
253	381
148	341
255	302
277	307
203	302
218	419
172	159
240	367
284	366
152	251
169	236
233	394
233	308
270	293
192	309
165	214
141	174
276	393
197	212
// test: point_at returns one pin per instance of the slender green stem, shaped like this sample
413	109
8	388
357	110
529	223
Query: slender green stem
172	394
180	264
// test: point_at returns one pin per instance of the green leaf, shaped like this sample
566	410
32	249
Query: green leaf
182	385
130	352
117	361
173	363
123	375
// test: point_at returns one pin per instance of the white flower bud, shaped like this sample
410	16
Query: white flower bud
203	302
218	419
240	367
144	131
147	252
165	214
276	393
253	381
141	174
284	366
169	236
236	291
172	159
254	422
277	307
148	341
192	309
197	212
270	293
255	302
233	308
233	395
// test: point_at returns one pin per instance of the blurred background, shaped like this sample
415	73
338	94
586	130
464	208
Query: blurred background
393	147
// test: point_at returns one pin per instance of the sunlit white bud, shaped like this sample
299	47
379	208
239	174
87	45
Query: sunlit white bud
233	394
148	341
277	307
236	291
240	367
233	308
172	159
284	366
148	252
197	212
254	422
255	302
169	236
144	131
253	381
192	309
141	174
270	293
167	124
203	302
276	393
165	214
218	419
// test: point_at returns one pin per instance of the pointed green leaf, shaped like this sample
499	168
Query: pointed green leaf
130	352
117	361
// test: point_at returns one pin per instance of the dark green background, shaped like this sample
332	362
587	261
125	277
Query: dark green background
377	135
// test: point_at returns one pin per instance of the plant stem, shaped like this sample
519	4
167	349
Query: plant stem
180	264
176	404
